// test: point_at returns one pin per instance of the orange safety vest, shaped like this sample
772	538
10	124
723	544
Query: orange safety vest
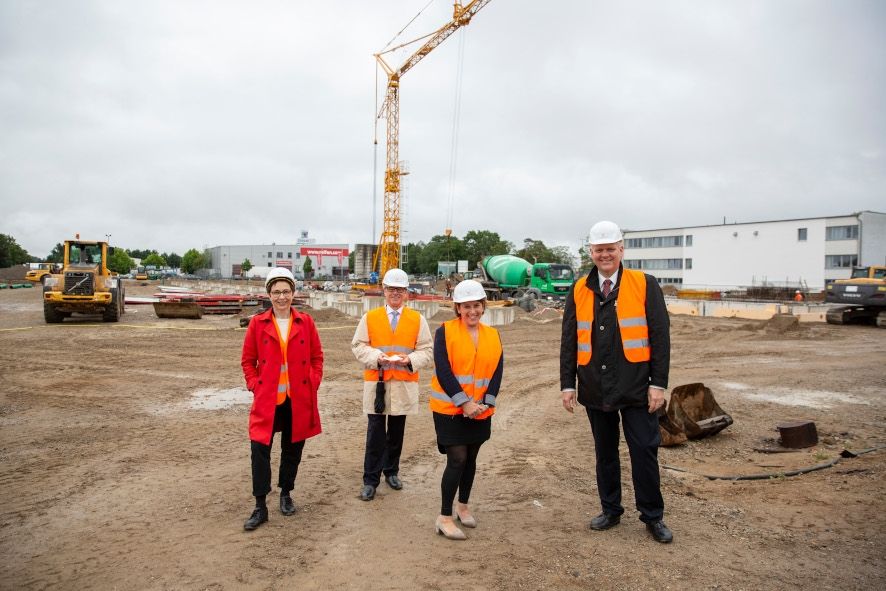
283	383
473	366
401	341
630	309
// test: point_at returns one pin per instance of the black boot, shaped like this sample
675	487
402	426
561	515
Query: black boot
259	516
287	507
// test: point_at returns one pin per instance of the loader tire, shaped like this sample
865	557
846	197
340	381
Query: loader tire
112	311
51	315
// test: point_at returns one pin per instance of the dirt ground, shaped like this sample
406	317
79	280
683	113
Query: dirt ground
124	464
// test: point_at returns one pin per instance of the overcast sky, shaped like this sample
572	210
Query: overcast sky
183	124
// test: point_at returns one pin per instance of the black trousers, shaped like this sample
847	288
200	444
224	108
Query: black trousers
384	442
290	455
643	437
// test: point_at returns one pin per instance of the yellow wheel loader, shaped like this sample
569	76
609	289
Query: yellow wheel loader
84	285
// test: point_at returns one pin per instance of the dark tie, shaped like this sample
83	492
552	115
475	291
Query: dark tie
607	287
395	316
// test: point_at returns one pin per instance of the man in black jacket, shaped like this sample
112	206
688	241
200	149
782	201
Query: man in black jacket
616	344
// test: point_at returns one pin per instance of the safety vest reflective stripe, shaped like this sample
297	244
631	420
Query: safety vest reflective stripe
396	349
472	366
401	341
631	313
635	343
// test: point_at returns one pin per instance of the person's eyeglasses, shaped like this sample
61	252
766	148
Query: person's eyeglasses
396	289
281	294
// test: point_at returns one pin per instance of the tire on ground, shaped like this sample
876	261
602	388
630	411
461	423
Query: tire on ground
112	310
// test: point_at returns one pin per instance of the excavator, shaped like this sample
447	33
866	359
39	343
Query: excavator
864	294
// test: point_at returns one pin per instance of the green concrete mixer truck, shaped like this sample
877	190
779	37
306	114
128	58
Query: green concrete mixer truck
508	276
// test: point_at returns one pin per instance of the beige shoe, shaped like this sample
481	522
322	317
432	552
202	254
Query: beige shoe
463	514
446	526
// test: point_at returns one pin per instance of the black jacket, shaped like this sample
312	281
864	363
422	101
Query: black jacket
610	381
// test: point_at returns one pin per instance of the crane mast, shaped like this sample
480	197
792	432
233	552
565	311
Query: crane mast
389	245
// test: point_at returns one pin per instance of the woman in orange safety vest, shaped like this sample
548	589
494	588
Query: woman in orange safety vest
468	368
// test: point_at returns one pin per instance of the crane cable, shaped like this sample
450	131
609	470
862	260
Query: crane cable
456	118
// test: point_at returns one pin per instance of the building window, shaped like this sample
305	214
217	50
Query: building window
269	262
297	256
689	240
654	242
688	263
840	261
801	234
288	255
279	254
659	264
842	233
269	255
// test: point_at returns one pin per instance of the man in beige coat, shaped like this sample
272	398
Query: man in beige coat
392	342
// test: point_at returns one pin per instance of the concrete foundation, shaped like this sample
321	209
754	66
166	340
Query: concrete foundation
748	310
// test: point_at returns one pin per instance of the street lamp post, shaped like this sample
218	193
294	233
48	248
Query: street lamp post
109	238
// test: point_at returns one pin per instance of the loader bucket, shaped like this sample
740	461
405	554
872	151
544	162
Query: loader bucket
671	434
190	310
694	410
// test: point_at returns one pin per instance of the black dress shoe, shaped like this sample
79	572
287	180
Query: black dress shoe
394	481
368	492
287	507
660	532
259	516
604	521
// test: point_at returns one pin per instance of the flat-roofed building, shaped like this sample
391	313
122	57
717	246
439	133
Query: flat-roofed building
804	252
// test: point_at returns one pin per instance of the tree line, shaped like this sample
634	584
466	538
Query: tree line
421	257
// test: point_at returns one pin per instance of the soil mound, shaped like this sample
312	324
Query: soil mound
443	314
326	315
782	323
16	273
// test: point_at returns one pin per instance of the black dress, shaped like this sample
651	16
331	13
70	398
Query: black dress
460	430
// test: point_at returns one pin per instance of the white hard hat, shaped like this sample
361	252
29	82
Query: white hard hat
278	274
468	291
396	278
604	233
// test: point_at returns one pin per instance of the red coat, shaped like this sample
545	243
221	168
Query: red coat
261	362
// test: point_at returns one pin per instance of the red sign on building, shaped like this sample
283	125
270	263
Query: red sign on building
339	253
285	264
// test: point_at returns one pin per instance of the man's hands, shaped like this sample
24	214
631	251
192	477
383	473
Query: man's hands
390	360
656	399
570	399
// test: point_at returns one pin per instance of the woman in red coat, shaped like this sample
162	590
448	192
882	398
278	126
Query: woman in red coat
283	364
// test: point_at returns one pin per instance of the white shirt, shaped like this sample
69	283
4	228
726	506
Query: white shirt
391	311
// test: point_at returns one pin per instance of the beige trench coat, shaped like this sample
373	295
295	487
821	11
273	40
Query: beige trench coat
401	398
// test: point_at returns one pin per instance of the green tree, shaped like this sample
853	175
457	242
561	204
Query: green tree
562	255
308	268
11	253
120	262
245	266
57	255
440	248
351	258
481	243
140	254
172	259
192	261
154	260
584	254
413	254
535	251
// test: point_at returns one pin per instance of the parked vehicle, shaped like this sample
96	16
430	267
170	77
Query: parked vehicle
509	276
865	294
84	284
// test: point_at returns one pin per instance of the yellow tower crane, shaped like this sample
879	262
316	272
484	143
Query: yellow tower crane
389	245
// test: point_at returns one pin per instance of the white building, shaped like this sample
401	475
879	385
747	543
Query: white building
328	261
807	252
